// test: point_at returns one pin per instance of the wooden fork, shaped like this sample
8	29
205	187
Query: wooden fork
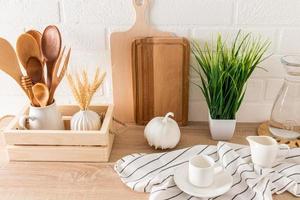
56	79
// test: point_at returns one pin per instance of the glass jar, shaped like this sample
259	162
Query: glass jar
285	116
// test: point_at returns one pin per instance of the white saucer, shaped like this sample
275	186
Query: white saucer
222	184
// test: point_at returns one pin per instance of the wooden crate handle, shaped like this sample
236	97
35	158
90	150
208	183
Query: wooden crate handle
4	118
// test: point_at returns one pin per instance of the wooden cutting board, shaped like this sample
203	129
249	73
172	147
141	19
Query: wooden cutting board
161	85
121	60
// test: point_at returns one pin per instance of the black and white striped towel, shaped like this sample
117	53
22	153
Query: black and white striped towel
153	173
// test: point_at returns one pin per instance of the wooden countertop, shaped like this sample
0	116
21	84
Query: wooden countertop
96	181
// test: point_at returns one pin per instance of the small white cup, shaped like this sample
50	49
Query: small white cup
202	170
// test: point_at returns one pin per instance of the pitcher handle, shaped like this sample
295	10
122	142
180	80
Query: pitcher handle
23	121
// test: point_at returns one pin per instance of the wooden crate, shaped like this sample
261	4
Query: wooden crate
61	145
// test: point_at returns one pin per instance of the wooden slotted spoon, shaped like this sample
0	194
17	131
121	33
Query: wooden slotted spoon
41	94
56	79
51	47
27	47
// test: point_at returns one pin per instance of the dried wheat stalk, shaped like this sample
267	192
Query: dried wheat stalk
82	89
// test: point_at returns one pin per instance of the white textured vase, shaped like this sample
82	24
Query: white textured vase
85	120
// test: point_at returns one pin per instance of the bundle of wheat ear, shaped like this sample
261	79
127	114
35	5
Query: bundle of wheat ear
83	91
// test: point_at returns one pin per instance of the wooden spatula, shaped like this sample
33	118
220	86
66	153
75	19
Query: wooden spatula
41	94
27	47
56	79
9	62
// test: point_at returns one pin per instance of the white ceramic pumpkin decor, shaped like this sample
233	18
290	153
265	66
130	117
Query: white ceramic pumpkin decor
85	120
162	132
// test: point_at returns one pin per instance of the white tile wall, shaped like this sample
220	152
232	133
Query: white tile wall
87	24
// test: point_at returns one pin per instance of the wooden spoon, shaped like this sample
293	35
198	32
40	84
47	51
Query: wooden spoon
27	47
34	69
36	35
56	79
9	62
38	38
41	93
51	46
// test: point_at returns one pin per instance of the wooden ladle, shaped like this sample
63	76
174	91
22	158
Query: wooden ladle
35	71
56	79
9	62
41	93
27	47
51	46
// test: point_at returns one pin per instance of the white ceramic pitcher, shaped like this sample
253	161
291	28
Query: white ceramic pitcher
264	150
42	118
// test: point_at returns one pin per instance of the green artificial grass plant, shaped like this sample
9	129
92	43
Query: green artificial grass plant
224	71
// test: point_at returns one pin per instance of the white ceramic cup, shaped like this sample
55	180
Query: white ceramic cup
42	118
202	170
265	150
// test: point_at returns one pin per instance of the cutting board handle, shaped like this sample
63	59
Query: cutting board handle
141	9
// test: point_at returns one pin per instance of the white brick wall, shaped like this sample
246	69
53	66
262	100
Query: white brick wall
86	25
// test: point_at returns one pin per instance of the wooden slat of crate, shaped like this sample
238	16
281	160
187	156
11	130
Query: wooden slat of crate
43	138
61	153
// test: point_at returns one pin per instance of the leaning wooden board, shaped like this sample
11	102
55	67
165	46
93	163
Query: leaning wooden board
121	61
160	72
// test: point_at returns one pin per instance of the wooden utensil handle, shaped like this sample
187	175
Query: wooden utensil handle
140	4
141	7
31	96
49	73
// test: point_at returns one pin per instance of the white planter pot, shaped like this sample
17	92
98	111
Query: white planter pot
221	129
